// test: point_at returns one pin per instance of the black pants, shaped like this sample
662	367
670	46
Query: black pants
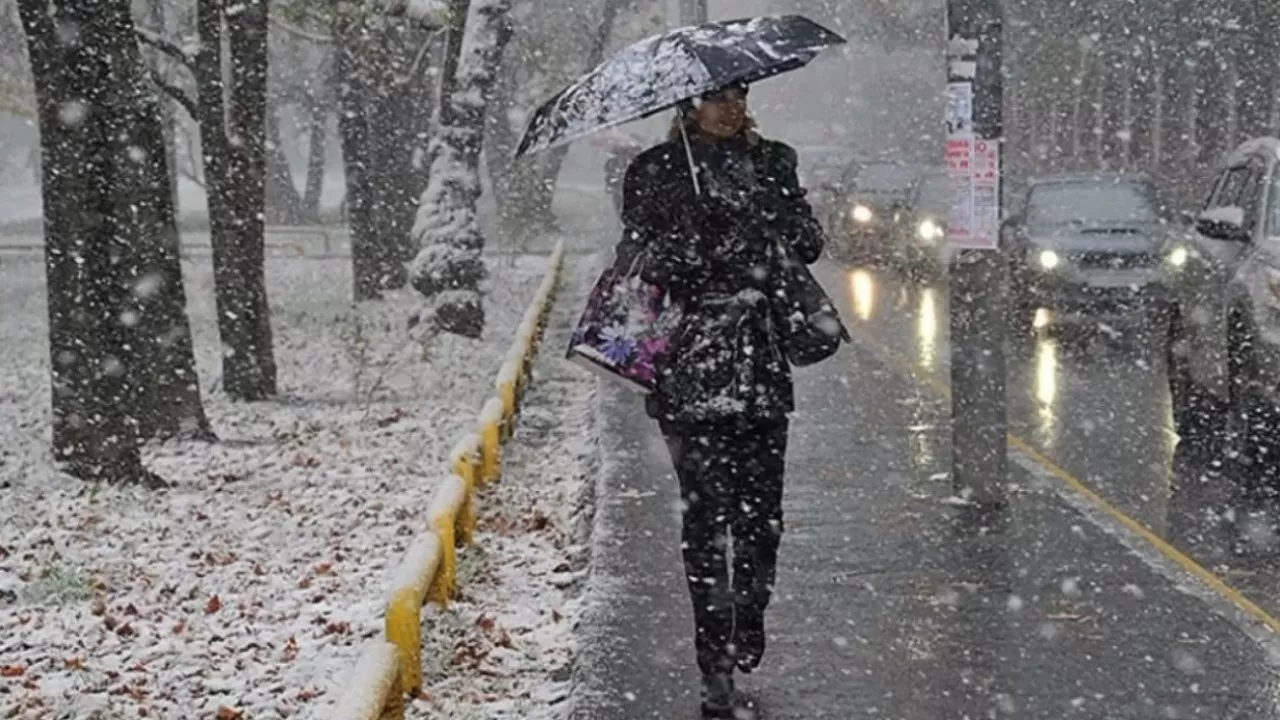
731	483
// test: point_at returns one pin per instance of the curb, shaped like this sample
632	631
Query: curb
391	668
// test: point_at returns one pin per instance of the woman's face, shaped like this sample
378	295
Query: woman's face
723	114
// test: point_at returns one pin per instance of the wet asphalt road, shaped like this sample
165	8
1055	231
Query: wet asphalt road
1095	404
892	605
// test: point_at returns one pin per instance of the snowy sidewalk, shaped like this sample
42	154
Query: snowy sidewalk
888	606
247	589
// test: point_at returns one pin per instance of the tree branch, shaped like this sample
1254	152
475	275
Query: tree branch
164	45
177	94
299	32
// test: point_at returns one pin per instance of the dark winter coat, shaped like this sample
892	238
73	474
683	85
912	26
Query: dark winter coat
716	254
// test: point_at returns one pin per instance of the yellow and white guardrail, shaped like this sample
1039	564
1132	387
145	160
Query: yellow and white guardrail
392	668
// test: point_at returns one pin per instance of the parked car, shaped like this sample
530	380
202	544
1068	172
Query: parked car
1224	321
1086	248
871	207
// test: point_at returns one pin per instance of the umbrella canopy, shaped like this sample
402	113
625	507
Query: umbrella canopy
661	72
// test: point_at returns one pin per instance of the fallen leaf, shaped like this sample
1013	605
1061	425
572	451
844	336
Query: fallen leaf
324	568
73	663
502	639
306	694
226	713
290	649
213	606
484	622
537	521
304	583
304	460
130	609
341	627
396	416
10	671
126	630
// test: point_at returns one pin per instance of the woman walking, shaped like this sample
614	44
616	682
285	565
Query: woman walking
713	239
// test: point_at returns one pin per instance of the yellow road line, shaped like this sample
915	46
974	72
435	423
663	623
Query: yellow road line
1022	446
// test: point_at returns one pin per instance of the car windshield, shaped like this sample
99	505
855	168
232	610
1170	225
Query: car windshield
1064	203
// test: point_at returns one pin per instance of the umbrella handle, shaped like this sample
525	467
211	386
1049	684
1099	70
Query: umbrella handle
688	154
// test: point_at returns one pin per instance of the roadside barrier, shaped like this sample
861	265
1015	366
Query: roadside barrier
374	691
428	572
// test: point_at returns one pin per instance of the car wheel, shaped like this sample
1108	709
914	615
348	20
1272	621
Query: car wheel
1249	424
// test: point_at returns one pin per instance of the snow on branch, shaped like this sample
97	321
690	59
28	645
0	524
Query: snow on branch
178	95
165	45
433	12
298	32
449	267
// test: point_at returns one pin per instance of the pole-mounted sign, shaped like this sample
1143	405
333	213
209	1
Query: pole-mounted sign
973	162
974	127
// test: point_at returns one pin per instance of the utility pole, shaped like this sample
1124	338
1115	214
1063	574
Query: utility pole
975	132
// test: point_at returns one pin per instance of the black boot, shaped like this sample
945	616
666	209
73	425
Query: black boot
748	639
718	698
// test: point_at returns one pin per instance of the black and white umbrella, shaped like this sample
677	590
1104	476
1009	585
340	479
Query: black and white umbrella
665	70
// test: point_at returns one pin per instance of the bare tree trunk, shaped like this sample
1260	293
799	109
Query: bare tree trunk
169	116
1231	70
396	118
1077	108
354	97
449	268
1273	122
88	99
378	120
317	143
255	373
232	137
1099	112
168	388
1124	132
1156	162
283	201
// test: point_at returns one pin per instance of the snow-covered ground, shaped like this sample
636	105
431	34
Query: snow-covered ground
247	589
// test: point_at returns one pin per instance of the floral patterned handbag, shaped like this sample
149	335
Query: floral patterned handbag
626	329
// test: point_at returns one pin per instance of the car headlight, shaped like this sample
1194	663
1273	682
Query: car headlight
1049	259
861	213
1178	257
929	230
